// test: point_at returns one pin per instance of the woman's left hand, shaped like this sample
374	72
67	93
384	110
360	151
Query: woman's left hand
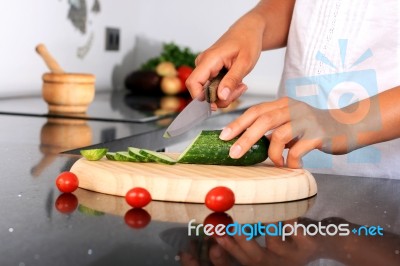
294	125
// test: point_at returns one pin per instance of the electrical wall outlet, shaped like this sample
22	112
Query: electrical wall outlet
112	39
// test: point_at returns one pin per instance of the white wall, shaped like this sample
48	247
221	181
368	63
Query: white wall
144	25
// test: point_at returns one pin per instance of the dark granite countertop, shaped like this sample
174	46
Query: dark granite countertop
34	232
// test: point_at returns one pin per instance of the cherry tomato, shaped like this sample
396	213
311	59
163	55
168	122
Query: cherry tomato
66	203
138	197
183	73
137	218
220	199
67	182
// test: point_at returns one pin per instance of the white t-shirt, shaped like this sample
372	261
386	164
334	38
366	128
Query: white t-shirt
340	52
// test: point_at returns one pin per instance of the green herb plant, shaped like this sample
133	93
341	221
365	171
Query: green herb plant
172	53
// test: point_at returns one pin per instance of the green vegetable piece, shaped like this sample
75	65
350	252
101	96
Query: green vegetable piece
172	53
111	156
208	148
157	157
94	154
135	152
124	156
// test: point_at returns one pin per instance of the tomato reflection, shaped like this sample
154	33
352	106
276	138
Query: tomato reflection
66	203
137	218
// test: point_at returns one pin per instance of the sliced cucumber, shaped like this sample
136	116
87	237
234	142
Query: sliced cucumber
94	154
208	148
123	156
111	156
135	152
157	157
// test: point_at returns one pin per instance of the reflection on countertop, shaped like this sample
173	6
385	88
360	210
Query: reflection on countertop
58	135
41	226
119	106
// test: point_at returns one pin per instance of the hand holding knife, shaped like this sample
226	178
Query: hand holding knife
198	110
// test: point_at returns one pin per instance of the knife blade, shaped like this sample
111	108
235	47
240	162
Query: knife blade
197	110
147	140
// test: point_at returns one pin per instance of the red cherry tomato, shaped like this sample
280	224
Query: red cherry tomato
137	218
66	203
220	199
138	197
67	182
183	73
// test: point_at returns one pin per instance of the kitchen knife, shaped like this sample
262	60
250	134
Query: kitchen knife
151	140
198	110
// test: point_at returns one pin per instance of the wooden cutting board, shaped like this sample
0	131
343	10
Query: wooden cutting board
175	212
261	183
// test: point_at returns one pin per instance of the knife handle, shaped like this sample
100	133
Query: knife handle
211	89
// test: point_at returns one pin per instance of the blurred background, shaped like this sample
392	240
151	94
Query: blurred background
75	32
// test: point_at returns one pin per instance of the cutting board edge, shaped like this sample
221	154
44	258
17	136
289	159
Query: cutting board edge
166	211
202	201
307	188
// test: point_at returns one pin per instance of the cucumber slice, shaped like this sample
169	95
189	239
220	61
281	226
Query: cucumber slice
157	157
135	152
123	156
111	156
208	148
94	154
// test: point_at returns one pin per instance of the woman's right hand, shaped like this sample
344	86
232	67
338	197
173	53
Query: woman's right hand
264	27
237	50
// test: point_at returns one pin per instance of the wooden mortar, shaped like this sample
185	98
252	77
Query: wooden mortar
69	92
65	92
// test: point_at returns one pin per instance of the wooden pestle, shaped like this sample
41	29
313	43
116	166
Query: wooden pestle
49	60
